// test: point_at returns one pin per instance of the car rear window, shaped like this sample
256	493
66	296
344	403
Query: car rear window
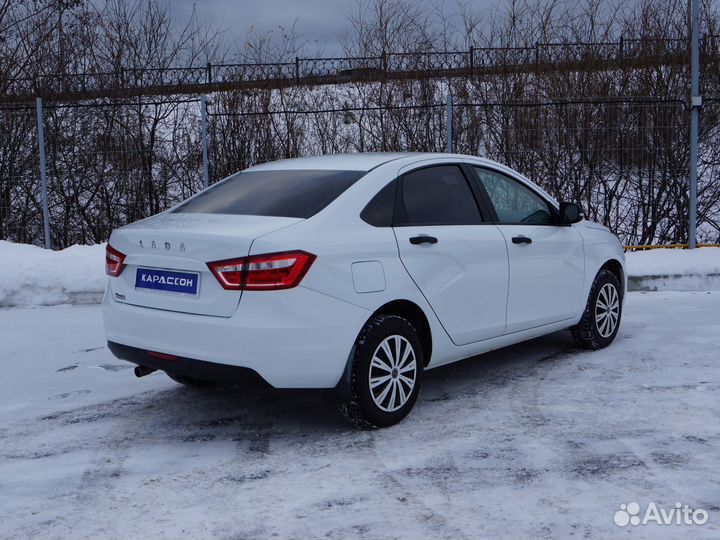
280	193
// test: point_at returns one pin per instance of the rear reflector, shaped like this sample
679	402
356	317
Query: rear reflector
114	261
161	356
271	271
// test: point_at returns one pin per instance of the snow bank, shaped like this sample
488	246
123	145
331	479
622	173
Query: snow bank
33	276
673	262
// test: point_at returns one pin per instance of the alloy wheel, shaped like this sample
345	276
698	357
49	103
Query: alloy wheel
607	310
393	373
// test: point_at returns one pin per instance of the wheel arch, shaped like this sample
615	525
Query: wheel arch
406	309
416	316
616	267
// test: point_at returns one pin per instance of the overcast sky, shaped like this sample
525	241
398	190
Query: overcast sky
319	21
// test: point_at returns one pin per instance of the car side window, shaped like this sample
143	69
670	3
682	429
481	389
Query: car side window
514	203
379	211
438	195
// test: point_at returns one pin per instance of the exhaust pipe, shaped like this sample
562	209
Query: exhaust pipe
141	371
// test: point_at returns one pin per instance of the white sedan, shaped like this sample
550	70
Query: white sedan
355	273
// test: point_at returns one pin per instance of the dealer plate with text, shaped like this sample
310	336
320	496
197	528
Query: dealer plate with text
155	279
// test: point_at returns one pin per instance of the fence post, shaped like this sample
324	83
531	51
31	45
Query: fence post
449	122
43	172
208	73
203	128
297	70
695	103
471	59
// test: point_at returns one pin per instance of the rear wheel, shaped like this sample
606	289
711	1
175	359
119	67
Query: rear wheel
601	320
386	373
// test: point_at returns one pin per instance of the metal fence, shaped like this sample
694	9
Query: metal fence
21	216
386	65
111	162
626	161
118	164
106	164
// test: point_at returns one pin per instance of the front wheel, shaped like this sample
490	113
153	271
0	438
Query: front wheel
601	319
386	373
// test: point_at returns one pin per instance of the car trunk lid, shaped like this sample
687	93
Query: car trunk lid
175	248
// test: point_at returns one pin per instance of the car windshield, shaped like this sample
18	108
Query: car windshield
280	193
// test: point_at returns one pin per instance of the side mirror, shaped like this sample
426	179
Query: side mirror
570	213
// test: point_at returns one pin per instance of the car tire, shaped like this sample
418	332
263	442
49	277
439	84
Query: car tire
601	319
192	381
386	373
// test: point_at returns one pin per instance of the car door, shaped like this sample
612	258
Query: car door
547	260
458	260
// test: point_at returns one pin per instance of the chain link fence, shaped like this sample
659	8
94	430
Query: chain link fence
108	163
21	217
112	162
626	162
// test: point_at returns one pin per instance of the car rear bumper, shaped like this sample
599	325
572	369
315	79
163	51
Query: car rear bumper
199	369
295	338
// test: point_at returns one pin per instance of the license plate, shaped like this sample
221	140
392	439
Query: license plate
167	280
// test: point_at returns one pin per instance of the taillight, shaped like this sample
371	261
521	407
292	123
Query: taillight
114	261
263	272
276	270
228	272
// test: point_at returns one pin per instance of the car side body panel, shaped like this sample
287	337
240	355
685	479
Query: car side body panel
546	276
601	246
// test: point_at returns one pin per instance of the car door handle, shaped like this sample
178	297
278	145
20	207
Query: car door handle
521	240
423	239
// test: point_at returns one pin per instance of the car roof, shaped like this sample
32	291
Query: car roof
361	161
339	162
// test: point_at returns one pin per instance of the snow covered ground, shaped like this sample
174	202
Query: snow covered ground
32	276
538	440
